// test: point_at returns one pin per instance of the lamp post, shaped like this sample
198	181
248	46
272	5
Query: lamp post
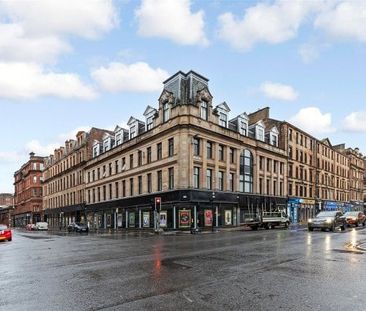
212	207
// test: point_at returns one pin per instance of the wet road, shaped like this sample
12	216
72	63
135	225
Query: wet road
263	270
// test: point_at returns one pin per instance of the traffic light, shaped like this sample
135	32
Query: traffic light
158	204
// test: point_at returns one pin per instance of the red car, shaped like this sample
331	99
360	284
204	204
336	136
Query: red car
5	233
355	218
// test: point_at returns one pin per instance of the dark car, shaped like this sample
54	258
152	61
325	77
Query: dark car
355	218
77	227
327	220
5	233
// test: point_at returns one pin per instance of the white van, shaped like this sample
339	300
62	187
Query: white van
41	226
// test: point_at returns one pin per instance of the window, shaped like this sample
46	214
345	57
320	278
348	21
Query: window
268	165
260	133
149	122
132	131
166	112
171	178
223	119
275	163
131	161
261	162
204	110
221	180
116	168
209	150
123	164
221	152
196	146
196	177
98	173
131	186
104	193
123	188
110	169
110	191
231	182
88	177
159	151
209	179
116	189
93	175
139	158
171	147
261	185
148	154
160	180
290	134
243	129
149	181
139	184
232	155
274	140
246	171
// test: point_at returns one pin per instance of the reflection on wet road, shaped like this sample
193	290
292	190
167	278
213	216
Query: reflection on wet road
264	270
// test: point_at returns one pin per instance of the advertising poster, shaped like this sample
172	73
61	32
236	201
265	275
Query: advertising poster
146	219
228	218
163	219
184	219
119	220
208	217
131	219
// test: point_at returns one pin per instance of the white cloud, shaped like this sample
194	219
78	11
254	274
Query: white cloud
313	121
308	53
39	149
346	20
355	122
27	80
269	23
119	77
278	91
10	156
173	20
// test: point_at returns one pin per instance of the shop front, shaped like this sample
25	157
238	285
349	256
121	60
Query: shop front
300	210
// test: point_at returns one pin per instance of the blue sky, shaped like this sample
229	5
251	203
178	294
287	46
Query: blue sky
66	66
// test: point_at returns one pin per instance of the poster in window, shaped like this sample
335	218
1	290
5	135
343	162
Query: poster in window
184	218
146	219
208	217
131	219
119	220
109	220
163	219
228	218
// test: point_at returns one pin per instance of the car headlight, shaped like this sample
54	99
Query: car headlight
310	220
329	220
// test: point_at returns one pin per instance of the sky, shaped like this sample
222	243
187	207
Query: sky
66	66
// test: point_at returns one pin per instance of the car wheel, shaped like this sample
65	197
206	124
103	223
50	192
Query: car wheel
356	224
343	227
332	228
10	239
311	228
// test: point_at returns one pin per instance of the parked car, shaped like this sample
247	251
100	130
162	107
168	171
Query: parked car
30	227
41	225
5	233
327	220
355	218
77	227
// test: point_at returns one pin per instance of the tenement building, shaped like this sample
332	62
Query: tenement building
6	199
356	174
28	192
188	160
63	179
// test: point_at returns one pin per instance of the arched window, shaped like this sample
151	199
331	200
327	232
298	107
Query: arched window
246	171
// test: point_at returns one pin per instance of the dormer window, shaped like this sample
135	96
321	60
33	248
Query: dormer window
166	112
106	145
118	139
132	131
223	119
149	122
274	140
243	128
204	110
95	150
260	133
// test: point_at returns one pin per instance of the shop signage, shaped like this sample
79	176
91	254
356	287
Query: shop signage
184	218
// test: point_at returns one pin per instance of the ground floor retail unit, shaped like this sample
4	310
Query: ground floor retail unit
179	209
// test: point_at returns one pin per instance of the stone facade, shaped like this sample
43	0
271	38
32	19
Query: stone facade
28	192
63	177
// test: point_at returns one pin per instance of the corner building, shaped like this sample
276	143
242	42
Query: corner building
206	168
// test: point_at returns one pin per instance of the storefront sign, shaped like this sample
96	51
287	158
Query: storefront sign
228	218
184	218
146	219
163	218
131	219
208	217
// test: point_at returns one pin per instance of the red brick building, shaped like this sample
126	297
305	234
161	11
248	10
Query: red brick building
28	192
6	199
